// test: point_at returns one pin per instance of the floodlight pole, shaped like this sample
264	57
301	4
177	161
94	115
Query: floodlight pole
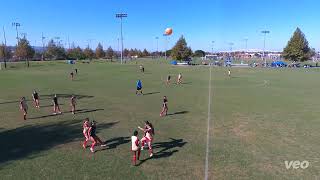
212	47
246	43
16	24
166	44
5	48
231	44
265	32
121	15
157	38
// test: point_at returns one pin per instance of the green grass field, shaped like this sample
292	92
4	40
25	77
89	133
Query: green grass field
259	119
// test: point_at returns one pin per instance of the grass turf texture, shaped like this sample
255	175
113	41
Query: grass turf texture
49	147
261	118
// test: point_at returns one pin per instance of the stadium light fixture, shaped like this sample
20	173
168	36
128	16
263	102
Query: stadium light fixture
121	16
16	25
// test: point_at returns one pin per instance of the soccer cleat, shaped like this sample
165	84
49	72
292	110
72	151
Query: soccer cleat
103	145
151	154
92	150
141	148
84	146
54	113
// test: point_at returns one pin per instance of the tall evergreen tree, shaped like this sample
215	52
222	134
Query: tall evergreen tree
181	51
298	48
99	51
109	53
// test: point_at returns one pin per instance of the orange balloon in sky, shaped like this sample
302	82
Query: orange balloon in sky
168	31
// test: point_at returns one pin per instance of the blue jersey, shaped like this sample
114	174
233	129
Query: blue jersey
139	84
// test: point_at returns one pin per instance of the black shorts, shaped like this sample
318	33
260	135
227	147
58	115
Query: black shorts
139	88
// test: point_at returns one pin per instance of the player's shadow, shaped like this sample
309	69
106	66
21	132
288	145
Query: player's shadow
151	93
50	96
177	113
78	96
80	111
117	141
30	140
165	149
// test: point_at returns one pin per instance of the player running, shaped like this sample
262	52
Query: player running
179	81
142	68
56	107
135	147
86	126
168	80
164	110
93	137
73	104
24	107
35	97
139	87
148	136
72	75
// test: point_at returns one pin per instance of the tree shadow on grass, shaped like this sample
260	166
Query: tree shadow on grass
176	113
167	149
28	141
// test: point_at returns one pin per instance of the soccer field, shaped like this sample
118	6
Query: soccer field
259	119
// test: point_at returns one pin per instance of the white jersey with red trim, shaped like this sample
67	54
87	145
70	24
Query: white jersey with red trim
135	143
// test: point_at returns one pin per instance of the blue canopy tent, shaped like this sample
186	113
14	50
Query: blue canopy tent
278	64
70	61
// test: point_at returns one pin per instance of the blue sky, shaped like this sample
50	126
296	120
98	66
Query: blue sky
200	21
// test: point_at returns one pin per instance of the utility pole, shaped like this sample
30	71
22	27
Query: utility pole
4	48
265	32
121	16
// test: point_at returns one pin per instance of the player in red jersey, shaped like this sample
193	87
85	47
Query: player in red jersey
86	126
73	104
148	136
93	137
135	147
24	107
164	110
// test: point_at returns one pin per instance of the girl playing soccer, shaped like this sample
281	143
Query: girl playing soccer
71	75
24	107
179	78
56	107
135	147
164	106
85	126
93	137
73	104
168	79
139	87
148	136
35	97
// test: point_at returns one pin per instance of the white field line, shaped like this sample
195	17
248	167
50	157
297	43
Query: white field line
208	129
